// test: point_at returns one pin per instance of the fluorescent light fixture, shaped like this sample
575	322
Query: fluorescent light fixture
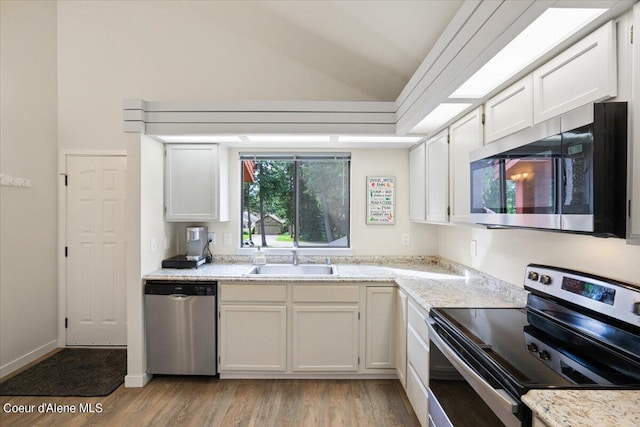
553	26
440	115
200	138
289	138
378	139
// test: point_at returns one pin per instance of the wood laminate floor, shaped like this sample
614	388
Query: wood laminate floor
206	401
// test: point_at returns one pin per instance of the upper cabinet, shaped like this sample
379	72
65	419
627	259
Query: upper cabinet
437	151
196	183
429	180
418	184
509	111
586	72
465	136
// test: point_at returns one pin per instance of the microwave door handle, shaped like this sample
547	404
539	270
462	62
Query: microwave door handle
495	397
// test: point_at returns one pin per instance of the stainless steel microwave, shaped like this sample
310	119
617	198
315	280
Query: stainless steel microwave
566	174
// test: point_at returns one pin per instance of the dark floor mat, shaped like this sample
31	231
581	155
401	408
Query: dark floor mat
71	372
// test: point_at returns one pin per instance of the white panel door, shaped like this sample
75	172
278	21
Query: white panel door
466	136
96	245
438	178
380	351
324	338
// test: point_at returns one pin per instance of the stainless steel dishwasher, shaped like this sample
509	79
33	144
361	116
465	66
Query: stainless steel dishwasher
180	326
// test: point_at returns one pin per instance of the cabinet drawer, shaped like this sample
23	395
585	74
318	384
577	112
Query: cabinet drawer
418	396
418	354
253	293
417	320
322	293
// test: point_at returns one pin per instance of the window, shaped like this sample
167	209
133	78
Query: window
295	200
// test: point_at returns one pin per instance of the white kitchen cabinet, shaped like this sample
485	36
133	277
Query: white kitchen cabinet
418	184
585	72
252	328
380	327
196	182
418	396
437	152
633	166
465	136
401	336
417	360
509	111
325	338
325	328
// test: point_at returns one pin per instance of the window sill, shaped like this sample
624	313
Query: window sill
301	251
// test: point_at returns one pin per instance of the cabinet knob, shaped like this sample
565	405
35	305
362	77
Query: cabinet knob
544	355
533	276
532	347
545	280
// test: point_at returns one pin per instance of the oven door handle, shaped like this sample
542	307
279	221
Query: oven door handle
495	398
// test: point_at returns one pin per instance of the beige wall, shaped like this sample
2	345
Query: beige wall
28	148
168	50
506	253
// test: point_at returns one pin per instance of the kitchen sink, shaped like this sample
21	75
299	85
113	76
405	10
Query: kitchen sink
293	270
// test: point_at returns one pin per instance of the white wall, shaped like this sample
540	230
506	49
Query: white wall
168	50
506	253
365	239
28	148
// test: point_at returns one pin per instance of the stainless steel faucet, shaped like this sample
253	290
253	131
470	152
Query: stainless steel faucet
294	252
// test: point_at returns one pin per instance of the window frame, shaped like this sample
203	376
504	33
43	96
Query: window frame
296	157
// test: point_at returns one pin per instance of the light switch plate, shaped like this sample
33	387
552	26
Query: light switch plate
405	239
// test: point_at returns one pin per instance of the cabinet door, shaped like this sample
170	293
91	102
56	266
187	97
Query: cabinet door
324	338
191	180
418	396
438	178
509	111
417	184
586	72
380	316
401	337
466	136
253	337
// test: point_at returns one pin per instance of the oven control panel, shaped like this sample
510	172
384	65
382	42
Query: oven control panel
610	297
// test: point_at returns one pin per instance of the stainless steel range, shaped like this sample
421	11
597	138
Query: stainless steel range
577	331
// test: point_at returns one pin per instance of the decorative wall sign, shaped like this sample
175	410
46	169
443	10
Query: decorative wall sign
381	199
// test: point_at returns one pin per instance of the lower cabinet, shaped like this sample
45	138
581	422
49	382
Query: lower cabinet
401	337
281	329
253	337
324	338
252	328
418	361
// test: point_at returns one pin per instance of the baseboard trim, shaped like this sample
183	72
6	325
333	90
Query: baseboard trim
315	376
137	381
24	360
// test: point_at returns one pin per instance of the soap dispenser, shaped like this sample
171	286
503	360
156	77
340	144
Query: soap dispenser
259	257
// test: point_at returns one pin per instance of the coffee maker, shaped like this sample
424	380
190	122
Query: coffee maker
196	246
196	242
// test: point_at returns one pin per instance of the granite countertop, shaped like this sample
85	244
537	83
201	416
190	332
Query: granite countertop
436	282
585	408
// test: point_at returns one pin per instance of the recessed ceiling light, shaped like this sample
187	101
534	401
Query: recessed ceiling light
378	139
553	26
289	138
200	138
440	115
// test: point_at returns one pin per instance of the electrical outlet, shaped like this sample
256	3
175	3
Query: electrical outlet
227	238
154	244
405	239
473	248
212	238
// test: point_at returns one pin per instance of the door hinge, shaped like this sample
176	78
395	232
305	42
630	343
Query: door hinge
358	360
448	210
165	209
66	179
448	139
483	118
218	359
629	208
66	251
358	315
219	315
66	322
631	35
